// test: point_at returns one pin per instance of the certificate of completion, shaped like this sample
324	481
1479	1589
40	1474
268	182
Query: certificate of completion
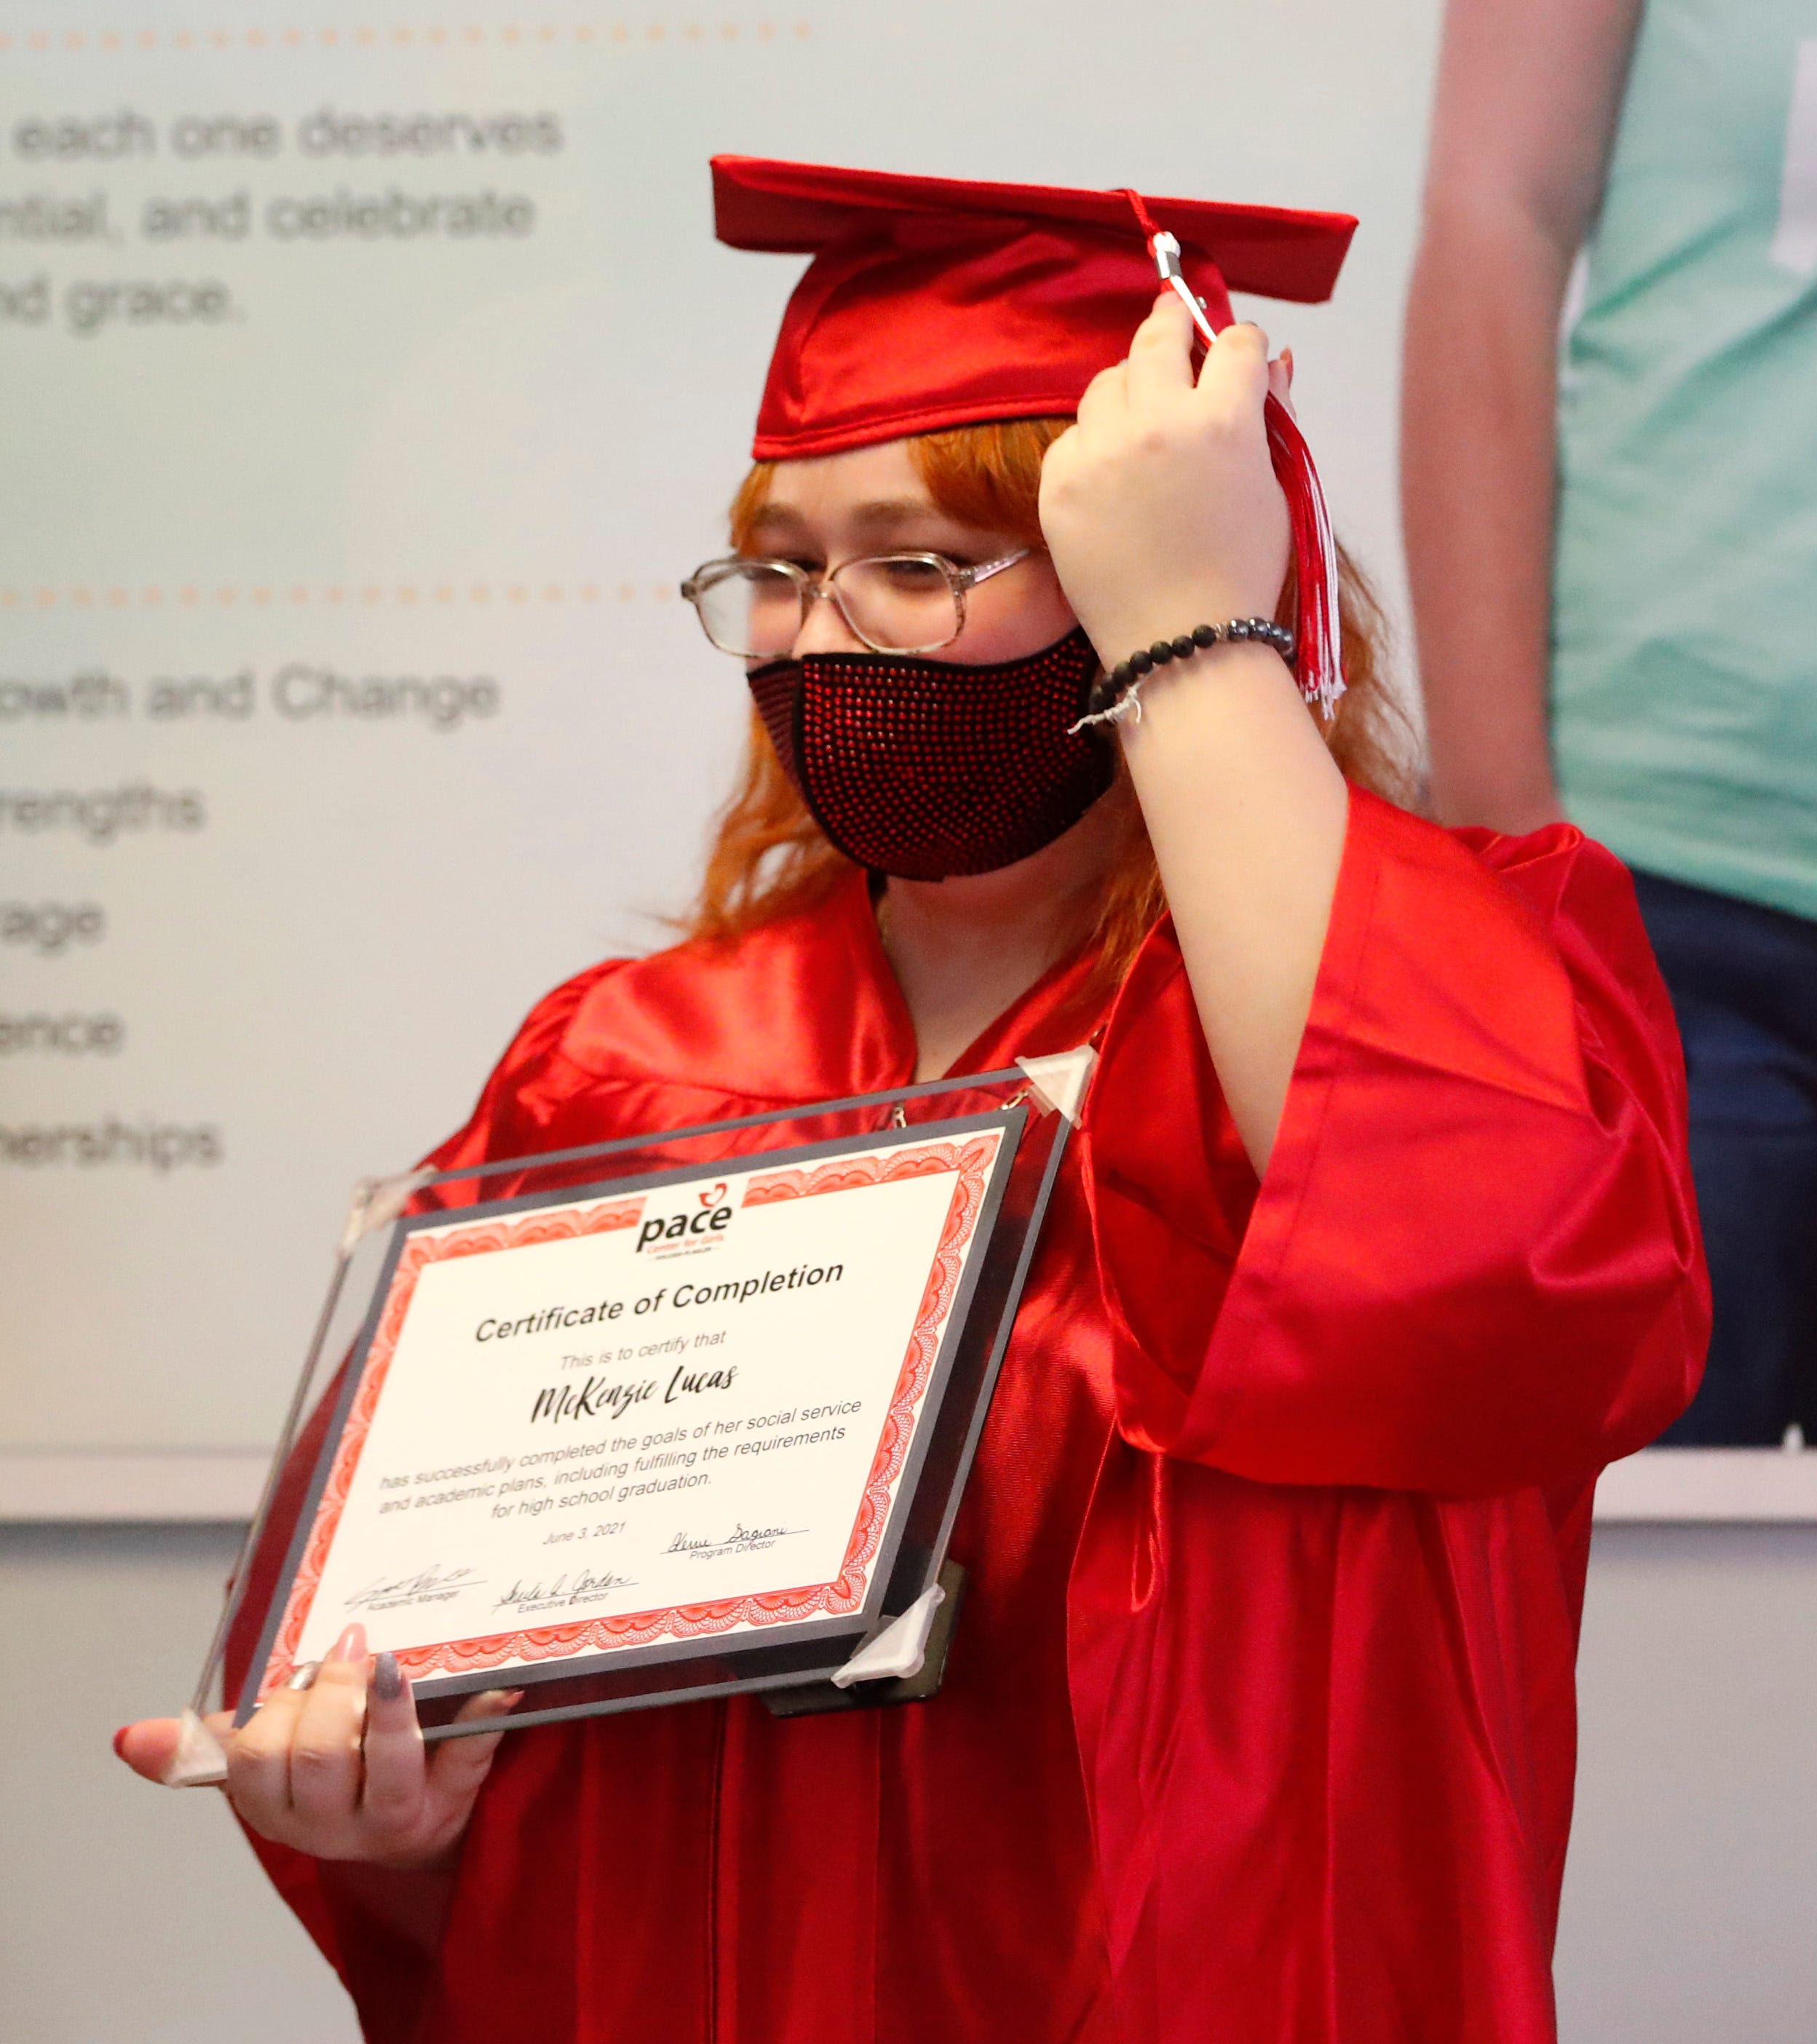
647	1420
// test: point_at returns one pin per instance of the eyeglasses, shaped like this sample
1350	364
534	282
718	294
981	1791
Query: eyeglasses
896	603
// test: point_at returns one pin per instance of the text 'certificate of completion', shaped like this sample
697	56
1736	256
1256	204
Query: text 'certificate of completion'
644	1416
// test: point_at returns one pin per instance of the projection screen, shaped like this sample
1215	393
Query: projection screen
370	381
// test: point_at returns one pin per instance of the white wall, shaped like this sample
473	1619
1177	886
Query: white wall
130	1914
1691	1894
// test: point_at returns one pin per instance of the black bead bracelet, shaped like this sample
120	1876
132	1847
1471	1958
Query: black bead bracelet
1118	694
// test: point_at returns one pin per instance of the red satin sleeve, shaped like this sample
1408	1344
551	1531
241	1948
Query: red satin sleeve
530	1085
1474	1264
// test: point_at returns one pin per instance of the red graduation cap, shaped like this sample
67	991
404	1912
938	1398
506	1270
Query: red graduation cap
933	302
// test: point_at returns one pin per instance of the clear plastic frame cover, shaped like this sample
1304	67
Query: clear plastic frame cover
671	1415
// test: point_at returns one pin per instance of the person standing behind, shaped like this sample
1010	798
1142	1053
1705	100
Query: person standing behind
1634	521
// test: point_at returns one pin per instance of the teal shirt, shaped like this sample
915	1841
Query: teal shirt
1685	673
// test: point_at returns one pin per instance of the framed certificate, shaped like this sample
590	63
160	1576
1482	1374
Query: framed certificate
679	1414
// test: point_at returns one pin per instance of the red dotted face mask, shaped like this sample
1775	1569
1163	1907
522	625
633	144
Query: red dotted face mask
927	769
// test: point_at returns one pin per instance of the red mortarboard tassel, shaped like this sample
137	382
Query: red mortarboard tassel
1318	654
1318	660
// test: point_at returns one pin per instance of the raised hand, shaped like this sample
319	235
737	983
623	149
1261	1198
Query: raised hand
1160	506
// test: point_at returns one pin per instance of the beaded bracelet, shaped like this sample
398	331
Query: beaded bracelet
1118	694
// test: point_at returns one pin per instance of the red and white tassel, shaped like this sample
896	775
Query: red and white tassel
1318	658
1317	661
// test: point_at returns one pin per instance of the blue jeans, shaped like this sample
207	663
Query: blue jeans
1743	979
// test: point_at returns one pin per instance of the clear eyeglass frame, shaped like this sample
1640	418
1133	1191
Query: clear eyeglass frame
810	590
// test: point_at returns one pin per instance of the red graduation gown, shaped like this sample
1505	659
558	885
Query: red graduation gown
1258	1726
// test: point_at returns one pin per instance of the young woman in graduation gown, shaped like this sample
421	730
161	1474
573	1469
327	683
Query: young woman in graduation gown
1376	1244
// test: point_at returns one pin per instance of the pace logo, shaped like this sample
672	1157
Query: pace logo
695	1227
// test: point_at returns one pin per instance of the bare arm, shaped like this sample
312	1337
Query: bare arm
1162	512
1529	94
1247	814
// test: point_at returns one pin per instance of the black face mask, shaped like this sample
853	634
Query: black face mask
925	769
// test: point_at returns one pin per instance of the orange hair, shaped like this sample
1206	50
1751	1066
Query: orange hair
769	857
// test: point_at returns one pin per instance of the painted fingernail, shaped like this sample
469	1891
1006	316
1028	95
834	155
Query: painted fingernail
120	1741
300	1678
387	1678
351	1644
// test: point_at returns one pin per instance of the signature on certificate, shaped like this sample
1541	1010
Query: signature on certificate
587	1587
741	1539
435	1584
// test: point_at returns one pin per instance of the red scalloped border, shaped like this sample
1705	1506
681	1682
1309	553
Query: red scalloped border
968	1159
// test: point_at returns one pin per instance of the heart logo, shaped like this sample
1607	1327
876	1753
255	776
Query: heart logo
712	1197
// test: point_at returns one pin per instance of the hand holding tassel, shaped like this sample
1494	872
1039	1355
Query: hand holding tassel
1161	506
